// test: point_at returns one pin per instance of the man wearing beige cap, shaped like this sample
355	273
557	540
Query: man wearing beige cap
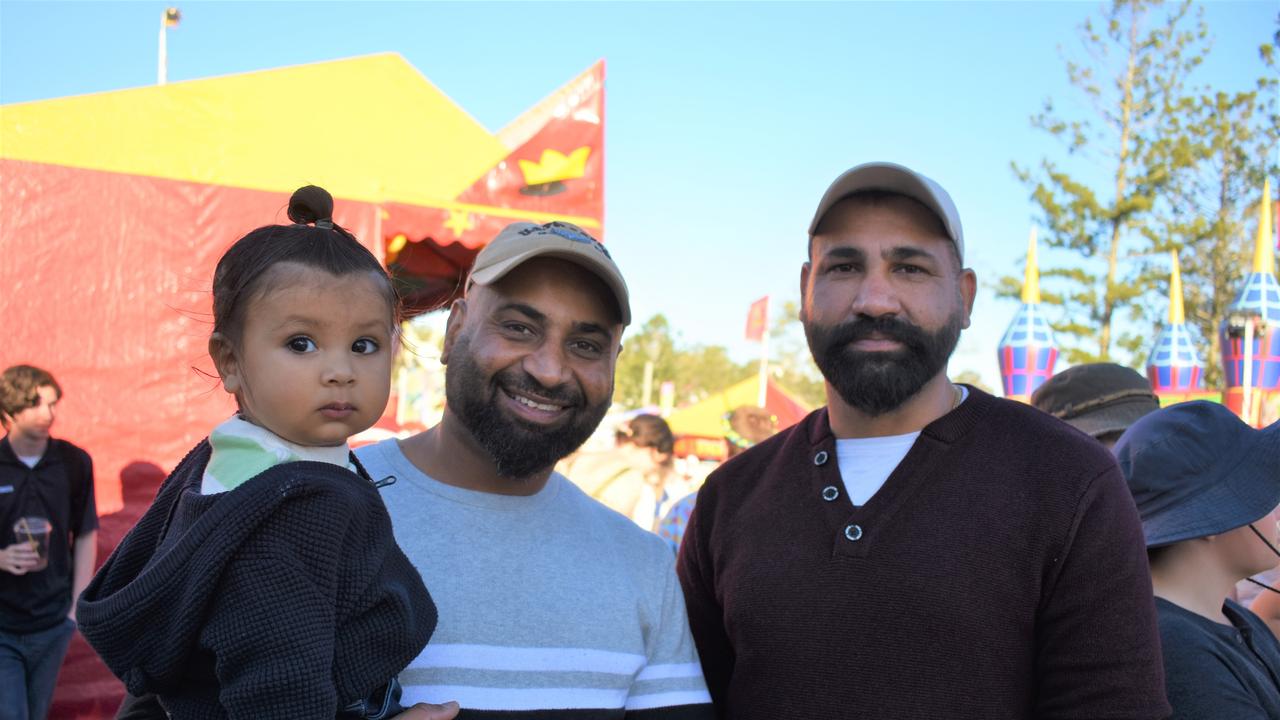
551	605
916	549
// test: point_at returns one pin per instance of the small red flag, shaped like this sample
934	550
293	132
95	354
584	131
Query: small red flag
758	319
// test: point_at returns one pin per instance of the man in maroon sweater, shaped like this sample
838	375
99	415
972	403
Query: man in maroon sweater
916	549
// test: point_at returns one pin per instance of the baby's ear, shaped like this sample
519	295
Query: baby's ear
224	361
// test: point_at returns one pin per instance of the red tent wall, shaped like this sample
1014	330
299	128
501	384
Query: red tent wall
106	283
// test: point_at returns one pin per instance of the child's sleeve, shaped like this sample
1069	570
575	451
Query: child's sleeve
272	624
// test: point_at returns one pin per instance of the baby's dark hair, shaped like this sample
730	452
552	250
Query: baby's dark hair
314	241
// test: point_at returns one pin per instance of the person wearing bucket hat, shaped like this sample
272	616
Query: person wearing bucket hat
1207	486
1098	399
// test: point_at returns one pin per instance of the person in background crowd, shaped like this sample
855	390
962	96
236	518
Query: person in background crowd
49	526
1103	400
745	426
1099	399
916	548
632	478
1207	485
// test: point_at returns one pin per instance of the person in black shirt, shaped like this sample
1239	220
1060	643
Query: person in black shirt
44	482
1207	485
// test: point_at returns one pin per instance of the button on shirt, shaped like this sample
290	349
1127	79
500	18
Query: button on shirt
865	463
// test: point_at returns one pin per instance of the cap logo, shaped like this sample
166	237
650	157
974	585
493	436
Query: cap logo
568	232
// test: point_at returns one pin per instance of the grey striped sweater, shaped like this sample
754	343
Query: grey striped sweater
550	605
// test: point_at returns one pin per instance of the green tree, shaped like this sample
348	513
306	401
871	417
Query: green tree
695	370
1139	53
790	362
698	371
1212	203
705	369
651	342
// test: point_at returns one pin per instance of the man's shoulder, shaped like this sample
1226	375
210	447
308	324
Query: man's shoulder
575	500
1011	428
70	451
376	451
634	542
382	457
67	446
786	448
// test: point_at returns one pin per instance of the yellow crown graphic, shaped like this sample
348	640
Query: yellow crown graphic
555	166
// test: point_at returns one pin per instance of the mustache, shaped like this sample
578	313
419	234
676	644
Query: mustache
521	381
886	326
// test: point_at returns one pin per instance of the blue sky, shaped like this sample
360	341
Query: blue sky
725	122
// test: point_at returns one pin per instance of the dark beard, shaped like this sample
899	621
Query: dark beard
518	449
878	382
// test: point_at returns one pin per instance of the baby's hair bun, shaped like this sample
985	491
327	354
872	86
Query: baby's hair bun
310	204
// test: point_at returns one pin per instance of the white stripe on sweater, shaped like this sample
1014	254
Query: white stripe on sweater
515	699
664	672
497	657
668	699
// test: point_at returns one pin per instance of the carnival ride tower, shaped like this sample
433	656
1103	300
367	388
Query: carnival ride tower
1251	333
1174	367
1028	351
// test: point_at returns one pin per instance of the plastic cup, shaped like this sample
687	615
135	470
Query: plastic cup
35	531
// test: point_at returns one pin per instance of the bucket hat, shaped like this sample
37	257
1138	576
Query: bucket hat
1195	469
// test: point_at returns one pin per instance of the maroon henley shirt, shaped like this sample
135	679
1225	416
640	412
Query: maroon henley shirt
1000	572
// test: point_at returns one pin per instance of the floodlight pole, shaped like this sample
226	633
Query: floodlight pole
169	17
162	67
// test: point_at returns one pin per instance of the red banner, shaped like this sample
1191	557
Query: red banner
758	319
559	168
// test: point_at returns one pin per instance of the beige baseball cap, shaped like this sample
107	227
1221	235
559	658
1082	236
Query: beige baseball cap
523	241
890	177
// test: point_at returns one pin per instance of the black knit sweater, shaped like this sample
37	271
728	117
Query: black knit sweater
286	597
999	573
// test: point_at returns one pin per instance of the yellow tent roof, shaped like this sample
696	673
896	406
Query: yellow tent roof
706	417
368	128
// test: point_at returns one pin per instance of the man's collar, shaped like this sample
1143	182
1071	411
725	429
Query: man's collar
948	428
8	454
